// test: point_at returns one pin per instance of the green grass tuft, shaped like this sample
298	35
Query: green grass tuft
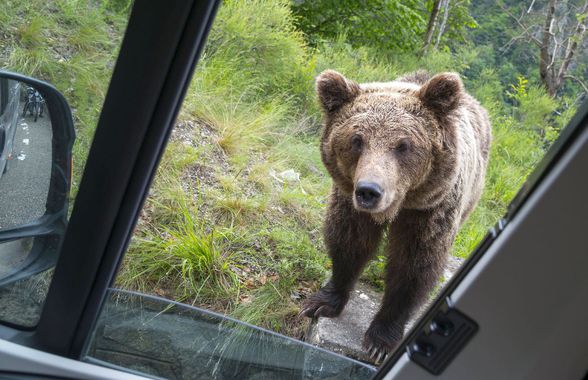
192	261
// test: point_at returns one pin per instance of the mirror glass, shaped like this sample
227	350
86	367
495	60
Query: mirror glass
25	153
22	299
13	255
24	278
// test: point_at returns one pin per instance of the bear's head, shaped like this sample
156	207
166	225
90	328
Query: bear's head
389	146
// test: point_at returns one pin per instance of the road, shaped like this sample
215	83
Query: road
24	187
23	193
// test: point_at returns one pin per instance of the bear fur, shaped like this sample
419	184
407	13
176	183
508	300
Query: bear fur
408	160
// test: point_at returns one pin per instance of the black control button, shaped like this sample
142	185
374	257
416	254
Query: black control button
441	326
423	348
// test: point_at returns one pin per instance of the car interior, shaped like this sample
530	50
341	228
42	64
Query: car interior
515	309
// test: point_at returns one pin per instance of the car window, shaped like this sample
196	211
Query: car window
73	46
235	220
171	340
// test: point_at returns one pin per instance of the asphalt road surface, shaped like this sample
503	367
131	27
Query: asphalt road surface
24	187
23	194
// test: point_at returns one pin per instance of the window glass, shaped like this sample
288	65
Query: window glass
152	336
243	208
73	46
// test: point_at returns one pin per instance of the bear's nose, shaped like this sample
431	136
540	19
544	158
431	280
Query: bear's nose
368	194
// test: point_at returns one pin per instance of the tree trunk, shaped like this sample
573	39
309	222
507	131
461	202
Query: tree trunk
577	36
432	24
545	59
552	77
443	23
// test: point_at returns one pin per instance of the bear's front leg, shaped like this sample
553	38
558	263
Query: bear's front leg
419	242
351	238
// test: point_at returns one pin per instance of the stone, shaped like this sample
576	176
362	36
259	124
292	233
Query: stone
344	334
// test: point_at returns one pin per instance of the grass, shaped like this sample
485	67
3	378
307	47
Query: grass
185	257
71	44
222	227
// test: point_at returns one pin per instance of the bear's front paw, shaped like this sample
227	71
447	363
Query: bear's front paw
325	303
381	338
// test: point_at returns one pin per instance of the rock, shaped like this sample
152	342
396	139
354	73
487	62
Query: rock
344	334
289	175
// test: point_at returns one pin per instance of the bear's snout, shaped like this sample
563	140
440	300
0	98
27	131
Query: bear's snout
368	194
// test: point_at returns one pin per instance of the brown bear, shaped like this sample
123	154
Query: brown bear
408	158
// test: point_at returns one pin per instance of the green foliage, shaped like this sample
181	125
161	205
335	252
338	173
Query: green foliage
29	34
252	55
118	6
375	271
384	24
362	64
566	110
518	91
436	61
536	108
459	23
254	49
514	47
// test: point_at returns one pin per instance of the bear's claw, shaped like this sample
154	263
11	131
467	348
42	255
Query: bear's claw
317	311
381	339
310	312
320	310
325	303
304	312
377	354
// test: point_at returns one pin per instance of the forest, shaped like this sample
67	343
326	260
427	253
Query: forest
233	220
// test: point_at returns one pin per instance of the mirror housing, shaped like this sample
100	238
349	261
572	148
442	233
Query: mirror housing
46	231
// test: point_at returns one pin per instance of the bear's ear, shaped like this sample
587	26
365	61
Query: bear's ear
442	93
334	90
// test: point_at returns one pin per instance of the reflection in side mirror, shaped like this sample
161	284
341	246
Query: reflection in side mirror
26	153
13	255
36	139
24	278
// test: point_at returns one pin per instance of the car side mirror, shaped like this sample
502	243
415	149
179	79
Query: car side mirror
36	139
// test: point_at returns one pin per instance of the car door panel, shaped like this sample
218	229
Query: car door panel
17	361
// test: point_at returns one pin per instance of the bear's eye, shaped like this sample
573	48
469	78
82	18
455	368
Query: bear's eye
356	143
403	146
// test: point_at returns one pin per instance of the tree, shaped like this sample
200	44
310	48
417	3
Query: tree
558	40
443	23
447	19
432	23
